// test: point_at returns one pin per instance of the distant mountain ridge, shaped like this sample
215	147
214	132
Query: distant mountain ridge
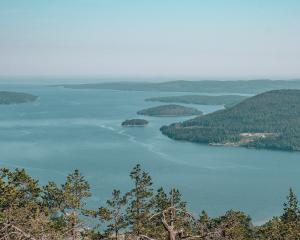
268	120
208	86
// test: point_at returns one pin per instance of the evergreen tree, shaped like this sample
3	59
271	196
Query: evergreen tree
161	202
54	200
53	197
290	208
204	224
67	202
139	207
75	190
21	211
114	214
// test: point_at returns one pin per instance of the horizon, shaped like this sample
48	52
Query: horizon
53	80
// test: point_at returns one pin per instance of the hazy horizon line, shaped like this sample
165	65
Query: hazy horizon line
85	79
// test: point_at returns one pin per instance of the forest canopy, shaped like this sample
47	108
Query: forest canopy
268	120
60	211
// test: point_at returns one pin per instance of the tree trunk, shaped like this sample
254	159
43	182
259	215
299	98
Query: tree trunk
73	226
172	235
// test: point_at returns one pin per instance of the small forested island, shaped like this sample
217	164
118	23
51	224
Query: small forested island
135	122
171	110
15	97
226	100
269	120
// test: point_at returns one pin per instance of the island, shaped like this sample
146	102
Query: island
171	110
226	100
135	123
203	86
15	98
269	120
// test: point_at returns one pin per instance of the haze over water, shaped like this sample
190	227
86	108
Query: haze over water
67	129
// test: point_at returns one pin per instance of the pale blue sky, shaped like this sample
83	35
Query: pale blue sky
213	39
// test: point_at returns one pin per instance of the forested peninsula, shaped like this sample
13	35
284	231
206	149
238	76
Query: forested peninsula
15	98
30	211
269	120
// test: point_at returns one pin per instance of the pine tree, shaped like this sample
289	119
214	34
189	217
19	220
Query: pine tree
75	190
161	202
204	223
67	202
114	214
139	207
21	211
53	198
290	208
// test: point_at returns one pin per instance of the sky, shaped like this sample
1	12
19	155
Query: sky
180	39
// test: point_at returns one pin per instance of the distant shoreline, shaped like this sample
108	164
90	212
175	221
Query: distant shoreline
205	86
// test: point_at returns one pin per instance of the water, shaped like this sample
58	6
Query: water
67	129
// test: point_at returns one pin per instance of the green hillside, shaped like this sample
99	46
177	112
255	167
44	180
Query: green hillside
269	120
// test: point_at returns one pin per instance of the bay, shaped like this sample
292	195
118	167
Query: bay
69	129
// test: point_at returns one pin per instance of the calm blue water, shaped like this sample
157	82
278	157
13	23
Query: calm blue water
67	129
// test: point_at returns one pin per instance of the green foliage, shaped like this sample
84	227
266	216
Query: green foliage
30	211
76	189
290	208
255	122
285	227
21	205
161	201
232	226
235	225
139	207
114	214
67	202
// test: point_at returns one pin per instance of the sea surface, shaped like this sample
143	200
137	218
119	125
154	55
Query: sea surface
69	129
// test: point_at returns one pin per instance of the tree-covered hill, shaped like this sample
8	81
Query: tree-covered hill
268	120
16	97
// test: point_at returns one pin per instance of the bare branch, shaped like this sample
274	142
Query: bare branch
144	237
18	231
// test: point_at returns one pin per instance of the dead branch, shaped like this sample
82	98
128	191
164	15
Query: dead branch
144	237
17	231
